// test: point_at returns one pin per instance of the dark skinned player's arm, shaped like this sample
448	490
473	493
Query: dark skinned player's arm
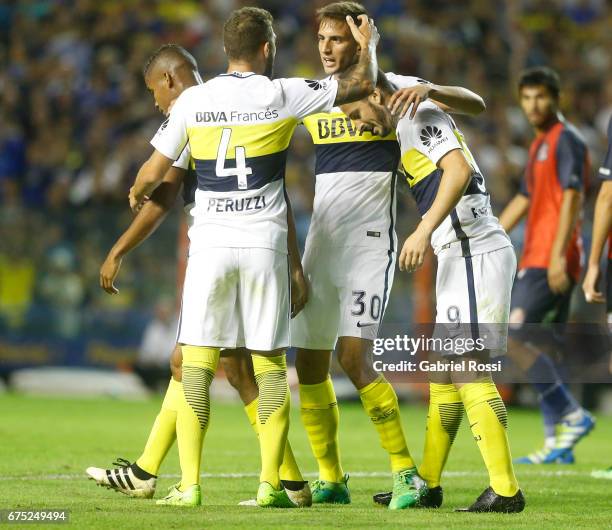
143	225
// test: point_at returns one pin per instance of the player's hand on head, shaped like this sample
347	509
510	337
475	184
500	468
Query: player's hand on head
366	34
299	292
414	250
108	273
404	98
558	280
589	286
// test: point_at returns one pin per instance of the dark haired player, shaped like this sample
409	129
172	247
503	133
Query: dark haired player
350	262
550	196
474	254
236	289
168	72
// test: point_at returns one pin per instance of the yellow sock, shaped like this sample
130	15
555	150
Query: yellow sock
443	420
380	402
488	420
289	469
320	416
272	414
199	367
163	432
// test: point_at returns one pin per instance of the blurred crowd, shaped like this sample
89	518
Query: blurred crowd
75	120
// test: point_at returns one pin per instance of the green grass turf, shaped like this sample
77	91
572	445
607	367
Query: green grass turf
46	444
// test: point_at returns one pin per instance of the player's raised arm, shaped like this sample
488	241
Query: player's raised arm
143	225
359	80
453	99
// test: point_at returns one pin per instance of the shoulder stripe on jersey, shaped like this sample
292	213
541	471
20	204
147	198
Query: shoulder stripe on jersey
469	271
258	140
264	169
337	127
425	190
417	166
354	156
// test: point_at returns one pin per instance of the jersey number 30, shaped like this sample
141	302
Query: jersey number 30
240	170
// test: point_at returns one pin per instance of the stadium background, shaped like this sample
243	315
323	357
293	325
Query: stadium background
76	118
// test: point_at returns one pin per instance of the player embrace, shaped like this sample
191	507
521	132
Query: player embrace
474	253
236	291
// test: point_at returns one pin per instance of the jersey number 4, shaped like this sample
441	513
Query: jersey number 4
240	170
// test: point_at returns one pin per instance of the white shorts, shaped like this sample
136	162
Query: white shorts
235	297
349	290
473	298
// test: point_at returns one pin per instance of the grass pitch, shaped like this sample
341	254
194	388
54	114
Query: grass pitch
46	444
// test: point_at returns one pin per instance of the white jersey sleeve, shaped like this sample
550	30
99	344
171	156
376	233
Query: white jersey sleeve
430	132
171	138
303	97
405	81
182	162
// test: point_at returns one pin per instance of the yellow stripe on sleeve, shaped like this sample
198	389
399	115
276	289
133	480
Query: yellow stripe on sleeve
417	165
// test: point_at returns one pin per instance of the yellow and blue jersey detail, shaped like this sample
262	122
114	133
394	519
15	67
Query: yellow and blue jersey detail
265	147
424	177
340	147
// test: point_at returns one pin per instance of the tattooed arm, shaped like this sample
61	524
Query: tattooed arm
359	80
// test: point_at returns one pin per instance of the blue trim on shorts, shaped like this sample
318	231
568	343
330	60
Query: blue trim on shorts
391	245
469	269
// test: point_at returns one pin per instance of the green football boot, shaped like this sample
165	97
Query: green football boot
325	492
408	488
191	497
268	497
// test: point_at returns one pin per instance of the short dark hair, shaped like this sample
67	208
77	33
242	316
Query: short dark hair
172	52
340	10
541	76
245	31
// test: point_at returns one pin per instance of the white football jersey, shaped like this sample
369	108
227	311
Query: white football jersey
238	127
471	228
354	203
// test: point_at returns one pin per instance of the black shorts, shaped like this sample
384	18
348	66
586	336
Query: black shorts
532	294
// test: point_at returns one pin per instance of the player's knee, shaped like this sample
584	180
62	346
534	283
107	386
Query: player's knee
176	364
238	370
355	365
312	366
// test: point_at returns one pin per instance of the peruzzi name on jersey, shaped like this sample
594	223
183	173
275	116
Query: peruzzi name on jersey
471	227
238	127
354	202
